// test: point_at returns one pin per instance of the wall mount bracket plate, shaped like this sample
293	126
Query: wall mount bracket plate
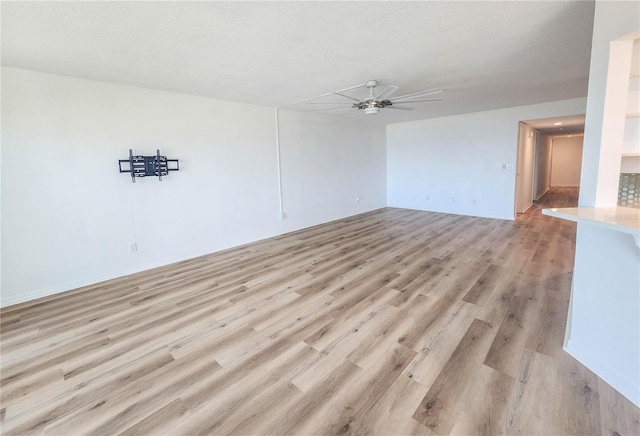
143	166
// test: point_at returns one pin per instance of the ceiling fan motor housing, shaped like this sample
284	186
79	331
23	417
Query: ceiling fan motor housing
372	106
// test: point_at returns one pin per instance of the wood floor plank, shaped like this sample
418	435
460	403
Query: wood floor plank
234	385
149	394
244	420
437	409
506	349
393	321
527	414
409	273
547	329
369	388
31	384
457	286
56	409
386	334
500	301
158	420
484	409
352	318
618	416
391	415
332	353
484	286
309	411
439	343
214	400
578	410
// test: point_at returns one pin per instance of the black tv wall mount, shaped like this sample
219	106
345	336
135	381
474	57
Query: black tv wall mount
143	166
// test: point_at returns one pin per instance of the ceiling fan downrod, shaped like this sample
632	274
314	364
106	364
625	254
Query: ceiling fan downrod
370	105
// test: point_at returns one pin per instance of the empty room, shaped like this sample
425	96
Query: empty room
300	218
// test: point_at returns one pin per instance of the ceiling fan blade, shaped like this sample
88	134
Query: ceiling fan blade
333	109
399	107
419	94
329	102
350	88
387	92
418	101
346	96
325	95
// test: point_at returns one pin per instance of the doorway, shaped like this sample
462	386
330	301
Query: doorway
549	155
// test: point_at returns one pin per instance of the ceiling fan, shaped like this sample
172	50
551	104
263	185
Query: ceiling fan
374	102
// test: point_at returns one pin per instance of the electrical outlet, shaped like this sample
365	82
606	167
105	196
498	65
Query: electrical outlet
357	199
133	247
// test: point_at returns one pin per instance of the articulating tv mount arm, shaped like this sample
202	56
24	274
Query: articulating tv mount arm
142	166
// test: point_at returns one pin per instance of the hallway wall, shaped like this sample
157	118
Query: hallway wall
543	165
566	160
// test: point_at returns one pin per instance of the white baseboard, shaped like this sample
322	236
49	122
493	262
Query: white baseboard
189	253
94	279
545	191
526	207
612	377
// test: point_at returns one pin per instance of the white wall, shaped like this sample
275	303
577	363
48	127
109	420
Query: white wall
543	165
630	164
631	140
566	161
604	326
455	164
68	216
608	94
331	167
604	329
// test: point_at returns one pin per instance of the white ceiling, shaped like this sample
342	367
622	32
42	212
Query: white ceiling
482	54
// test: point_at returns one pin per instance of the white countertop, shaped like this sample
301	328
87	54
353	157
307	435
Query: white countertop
619	219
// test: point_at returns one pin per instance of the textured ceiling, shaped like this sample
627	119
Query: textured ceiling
483	55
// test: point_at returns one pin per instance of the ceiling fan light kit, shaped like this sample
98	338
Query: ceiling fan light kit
372	103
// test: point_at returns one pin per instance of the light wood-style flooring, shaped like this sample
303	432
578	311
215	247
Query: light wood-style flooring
391	322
